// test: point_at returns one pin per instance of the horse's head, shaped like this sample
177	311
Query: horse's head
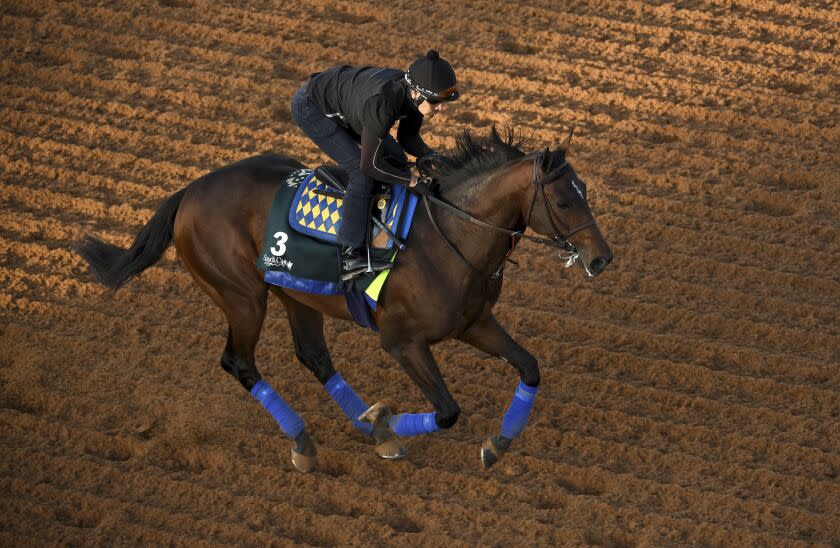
556	206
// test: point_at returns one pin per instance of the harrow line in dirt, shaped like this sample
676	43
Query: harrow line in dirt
758	120
611	452
63	104
784	11
212	493
698	299
499	394
157	521
699	269
547	403
662	319
117	140
719	218
160	173
708	445
642	126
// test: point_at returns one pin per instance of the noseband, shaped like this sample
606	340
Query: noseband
559	239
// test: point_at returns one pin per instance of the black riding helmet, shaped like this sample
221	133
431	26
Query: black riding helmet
433	78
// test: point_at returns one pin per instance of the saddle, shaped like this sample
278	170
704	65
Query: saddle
317	206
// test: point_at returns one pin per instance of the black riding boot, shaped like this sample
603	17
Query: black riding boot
354	261
355	227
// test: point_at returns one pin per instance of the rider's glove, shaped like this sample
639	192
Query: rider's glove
429	163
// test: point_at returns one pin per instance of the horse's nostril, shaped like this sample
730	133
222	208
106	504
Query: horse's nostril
597	266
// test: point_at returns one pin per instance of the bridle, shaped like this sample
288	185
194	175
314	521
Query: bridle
559	238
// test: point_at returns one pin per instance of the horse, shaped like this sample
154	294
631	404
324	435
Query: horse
442	286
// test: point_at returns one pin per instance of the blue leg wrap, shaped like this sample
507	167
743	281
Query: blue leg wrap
348	400
517	414
289	421
410	424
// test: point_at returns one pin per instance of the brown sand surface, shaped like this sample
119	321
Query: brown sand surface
690	393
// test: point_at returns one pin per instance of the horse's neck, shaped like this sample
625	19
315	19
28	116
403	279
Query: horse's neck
494	199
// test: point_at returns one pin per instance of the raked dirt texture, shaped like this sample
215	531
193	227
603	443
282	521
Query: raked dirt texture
689	394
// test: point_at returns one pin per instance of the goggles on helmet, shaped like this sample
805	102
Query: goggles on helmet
433	98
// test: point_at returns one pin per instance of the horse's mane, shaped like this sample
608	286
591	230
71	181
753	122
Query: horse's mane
472	157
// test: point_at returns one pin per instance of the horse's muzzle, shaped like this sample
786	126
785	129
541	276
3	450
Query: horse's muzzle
598	264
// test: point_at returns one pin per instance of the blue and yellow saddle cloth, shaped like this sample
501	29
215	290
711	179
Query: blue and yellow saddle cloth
300	251
316	209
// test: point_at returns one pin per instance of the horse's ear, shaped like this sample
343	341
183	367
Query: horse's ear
564	146
545	161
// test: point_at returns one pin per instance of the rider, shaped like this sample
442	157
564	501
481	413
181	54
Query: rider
348	112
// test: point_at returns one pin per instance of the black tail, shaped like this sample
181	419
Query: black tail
113	265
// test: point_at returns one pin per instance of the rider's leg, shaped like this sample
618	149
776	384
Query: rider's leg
340	145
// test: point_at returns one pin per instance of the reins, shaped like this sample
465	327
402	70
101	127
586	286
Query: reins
558	239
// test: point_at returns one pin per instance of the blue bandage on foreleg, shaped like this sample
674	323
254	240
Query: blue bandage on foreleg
289	421
411	424
517	414
348	400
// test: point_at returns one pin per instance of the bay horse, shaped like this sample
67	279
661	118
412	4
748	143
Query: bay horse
443	286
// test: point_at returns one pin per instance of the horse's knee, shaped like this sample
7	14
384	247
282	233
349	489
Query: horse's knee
529	371
245	373
317	362
446	418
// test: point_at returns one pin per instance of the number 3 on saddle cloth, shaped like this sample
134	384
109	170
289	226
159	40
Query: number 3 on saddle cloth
300	250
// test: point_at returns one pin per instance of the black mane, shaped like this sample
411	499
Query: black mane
472	157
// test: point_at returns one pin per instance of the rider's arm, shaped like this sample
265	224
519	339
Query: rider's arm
373	162
378	120
408	135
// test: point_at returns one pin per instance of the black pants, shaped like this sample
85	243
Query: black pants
342	146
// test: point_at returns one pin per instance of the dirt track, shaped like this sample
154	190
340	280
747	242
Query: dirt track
690	394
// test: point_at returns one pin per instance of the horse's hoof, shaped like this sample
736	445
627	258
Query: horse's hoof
391	449
304	456
304	463
388	446
492	450
377	414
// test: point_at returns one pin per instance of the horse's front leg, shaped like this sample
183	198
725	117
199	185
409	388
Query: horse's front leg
417	360
489	336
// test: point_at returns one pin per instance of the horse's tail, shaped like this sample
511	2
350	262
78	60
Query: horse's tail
113	265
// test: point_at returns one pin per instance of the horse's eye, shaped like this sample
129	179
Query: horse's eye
562	205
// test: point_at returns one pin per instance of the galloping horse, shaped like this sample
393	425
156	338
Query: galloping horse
443	286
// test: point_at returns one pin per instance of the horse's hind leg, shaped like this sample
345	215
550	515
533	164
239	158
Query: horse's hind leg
243	300
307	327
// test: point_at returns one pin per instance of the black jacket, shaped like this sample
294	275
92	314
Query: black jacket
368	101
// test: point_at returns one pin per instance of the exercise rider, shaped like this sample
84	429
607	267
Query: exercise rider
348	112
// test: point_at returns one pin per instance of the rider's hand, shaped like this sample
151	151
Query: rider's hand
429	162
413	180
426	185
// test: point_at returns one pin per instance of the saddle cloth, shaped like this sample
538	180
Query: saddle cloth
299	249
317	206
